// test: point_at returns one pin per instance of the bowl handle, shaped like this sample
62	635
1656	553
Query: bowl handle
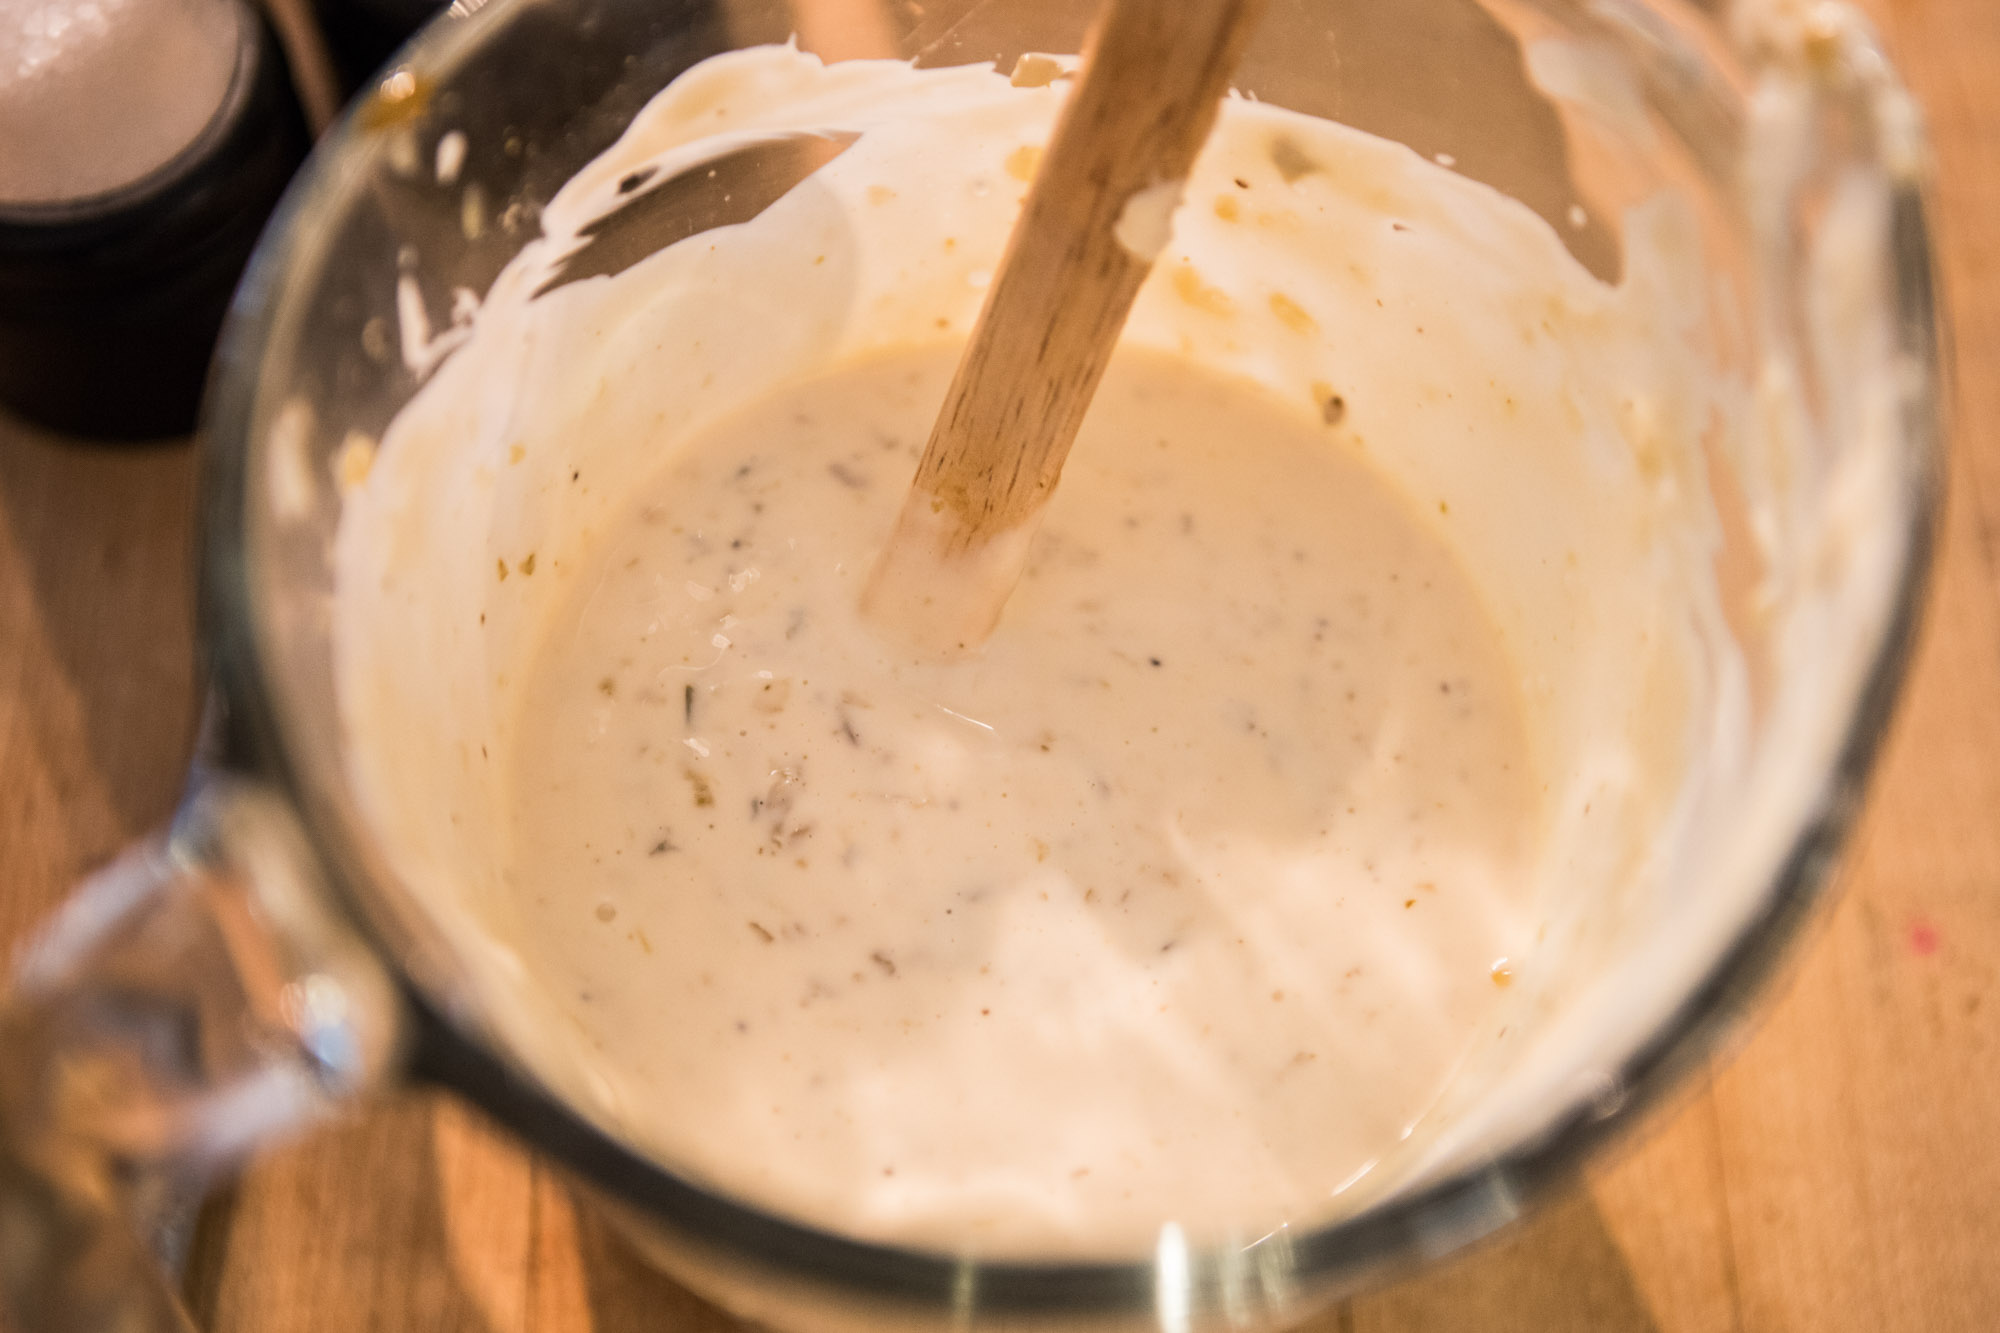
198	997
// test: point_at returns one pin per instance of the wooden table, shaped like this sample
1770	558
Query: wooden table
1840	1171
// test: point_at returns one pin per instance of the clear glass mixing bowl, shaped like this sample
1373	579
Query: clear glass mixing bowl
1782	127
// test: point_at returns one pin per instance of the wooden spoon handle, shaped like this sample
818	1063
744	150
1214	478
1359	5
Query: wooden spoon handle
1096	217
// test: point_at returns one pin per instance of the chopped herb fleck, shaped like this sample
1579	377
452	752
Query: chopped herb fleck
1332	407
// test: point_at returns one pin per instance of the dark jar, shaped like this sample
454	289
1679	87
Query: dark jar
110	304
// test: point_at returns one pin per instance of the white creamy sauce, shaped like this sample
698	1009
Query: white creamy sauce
1187	891
1350	782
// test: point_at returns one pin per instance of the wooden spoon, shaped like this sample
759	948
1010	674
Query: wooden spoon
1097	215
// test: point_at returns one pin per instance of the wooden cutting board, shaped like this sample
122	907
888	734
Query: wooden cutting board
1839	1171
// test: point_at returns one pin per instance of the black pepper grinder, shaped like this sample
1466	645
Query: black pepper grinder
143	143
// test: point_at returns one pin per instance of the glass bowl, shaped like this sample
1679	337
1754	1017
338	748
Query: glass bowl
1783	131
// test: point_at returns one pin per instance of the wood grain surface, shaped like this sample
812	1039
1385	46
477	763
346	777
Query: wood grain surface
1839	1171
